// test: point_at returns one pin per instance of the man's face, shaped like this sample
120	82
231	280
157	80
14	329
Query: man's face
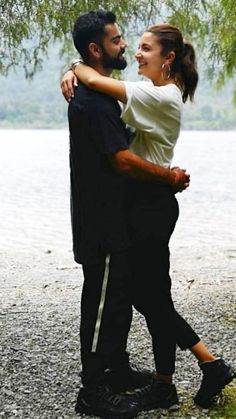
113	48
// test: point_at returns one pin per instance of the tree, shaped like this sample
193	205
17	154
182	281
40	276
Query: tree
221	37
29	26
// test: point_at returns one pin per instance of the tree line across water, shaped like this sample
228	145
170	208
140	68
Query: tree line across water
38	103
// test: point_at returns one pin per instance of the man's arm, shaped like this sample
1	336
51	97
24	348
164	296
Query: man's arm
127	163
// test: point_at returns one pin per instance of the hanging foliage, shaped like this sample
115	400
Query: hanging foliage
28	27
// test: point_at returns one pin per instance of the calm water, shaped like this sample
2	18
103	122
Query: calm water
34	188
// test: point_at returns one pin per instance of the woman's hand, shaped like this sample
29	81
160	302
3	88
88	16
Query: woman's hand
68	83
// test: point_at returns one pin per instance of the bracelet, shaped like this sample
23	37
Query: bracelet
75	63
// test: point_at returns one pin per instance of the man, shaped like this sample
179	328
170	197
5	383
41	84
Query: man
100	162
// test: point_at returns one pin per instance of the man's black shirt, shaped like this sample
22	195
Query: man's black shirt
97	191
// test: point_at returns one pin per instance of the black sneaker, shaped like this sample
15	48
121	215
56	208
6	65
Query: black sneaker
101	401
127	379
216	375
158	395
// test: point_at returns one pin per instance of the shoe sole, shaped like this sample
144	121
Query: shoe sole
207	403
86	410
174	407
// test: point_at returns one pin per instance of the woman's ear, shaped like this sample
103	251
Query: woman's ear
95	50
170	57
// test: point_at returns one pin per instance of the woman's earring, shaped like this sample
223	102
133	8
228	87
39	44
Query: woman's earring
165	71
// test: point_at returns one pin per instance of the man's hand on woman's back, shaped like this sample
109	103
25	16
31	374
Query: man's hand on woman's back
182	179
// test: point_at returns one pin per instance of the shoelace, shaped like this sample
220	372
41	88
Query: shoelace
112	398
140	392
135	368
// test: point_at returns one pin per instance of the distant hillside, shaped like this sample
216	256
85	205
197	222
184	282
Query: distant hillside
39	103
212	109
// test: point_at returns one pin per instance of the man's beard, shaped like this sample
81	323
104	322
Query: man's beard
116	63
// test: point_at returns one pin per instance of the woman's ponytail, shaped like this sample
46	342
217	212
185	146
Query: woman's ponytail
188	72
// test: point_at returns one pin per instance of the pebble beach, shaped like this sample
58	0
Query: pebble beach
40	284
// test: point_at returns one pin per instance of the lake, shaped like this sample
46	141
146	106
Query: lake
34	187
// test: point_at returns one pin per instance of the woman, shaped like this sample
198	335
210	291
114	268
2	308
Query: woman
154	110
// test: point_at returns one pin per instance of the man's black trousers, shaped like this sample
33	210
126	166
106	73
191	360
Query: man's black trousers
106	315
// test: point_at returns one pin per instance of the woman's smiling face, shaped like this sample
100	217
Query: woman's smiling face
150	59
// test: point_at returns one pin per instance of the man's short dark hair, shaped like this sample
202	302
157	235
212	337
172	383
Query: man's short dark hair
89	27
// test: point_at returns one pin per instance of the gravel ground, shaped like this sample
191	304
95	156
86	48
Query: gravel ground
40	334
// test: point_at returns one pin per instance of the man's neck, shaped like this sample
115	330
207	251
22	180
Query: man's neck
100	69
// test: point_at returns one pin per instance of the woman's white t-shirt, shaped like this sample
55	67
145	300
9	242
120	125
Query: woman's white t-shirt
155	112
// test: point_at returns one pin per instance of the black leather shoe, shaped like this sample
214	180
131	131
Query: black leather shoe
157	395
101	401
216	375
127	379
